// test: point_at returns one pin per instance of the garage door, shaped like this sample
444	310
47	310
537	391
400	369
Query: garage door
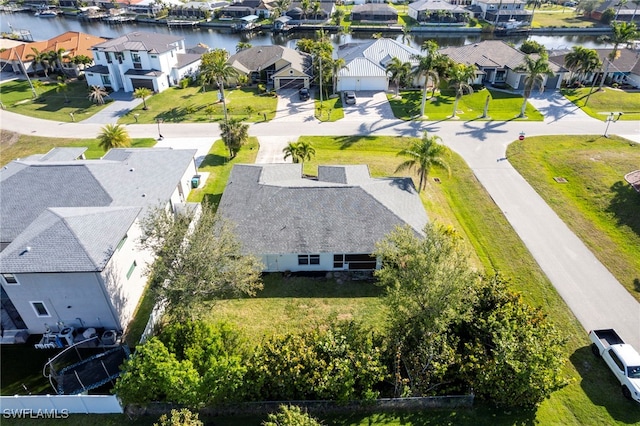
291	83
362	83
142	82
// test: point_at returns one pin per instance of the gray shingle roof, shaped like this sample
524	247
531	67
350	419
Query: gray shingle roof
261	57
149	42
421	5
68	240
374	7
277	211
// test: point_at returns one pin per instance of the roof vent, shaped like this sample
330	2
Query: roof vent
144	195
132	169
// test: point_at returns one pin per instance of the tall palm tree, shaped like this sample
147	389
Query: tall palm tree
637	3
399	71
427	69
142	93
623	33
536	70
56	57
97	94
339	14
582	61
299	151
234	134
316	8
460	77
113	136
215	68
40	58
423	155
84	60
305	5
337	65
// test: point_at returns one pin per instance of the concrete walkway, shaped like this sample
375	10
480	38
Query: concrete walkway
123	102
596	298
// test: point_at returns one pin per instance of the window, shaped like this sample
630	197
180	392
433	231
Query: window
119	56
10	279
97	55
105	79
40	309
338	261
308	259
616	360
108	57
122	241
135	56
131	269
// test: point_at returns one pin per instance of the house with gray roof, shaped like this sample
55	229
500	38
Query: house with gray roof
70	229
496	62
140	59
499	12
438	12
365	63
280	66
328	223
374	12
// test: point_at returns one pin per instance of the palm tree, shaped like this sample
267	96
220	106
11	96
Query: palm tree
142	93
113	136
215	68
57	56
423	155
64	88
399	71
97	94
637	3
339	14
623	33
427	69
536	69
42	59
305	6
84	60
316	8
299	152
234	134
336	66
459	77
243	45
620	4
582	61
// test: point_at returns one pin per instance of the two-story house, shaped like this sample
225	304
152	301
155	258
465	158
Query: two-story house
502	11
139	59
70	254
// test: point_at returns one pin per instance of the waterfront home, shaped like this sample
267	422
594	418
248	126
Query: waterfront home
139	59
437	12
625	69
375	13
329	223
499	11
71	256
277	66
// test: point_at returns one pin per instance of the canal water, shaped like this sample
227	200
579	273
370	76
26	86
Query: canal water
45	28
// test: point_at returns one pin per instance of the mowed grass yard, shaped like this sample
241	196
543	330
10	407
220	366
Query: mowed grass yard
502	106
192	105
596	202
51	104
556	15
603	102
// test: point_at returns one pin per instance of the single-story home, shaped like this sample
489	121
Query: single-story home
283	67
329	223
625	10
71	256
496	62
374	12
298	14
437	12
366	63
625	69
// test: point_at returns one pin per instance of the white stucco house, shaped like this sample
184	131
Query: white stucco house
365	63
71	255
329	223
139	59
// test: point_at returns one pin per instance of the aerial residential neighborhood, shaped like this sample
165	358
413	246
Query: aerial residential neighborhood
395	230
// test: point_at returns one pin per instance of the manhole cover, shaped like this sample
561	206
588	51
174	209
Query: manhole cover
560	179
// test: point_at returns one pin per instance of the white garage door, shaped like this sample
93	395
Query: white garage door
362	83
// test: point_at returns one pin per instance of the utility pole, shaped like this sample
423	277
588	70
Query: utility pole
33	90
320	58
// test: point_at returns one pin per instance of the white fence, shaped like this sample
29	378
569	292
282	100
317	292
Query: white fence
58	406
155	316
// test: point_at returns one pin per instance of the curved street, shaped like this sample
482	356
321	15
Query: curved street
596	298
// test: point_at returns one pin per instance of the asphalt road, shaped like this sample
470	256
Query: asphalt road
596	298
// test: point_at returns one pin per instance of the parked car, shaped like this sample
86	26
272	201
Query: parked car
621	358
570	3
304	94
350	97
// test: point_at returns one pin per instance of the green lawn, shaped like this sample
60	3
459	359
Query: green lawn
16	96
553	15
14	146
218	165
502	106
190	105
329	109
596	202
601	103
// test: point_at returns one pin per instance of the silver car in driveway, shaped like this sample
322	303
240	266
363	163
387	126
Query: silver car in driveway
350	97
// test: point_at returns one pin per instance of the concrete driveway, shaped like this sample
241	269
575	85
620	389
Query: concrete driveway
370	106
291	109
123	102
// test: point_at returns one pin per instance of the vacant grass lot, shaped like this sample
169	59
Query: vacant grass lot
601	103
553	15
596	202
502	106
14	146
16	96
192	105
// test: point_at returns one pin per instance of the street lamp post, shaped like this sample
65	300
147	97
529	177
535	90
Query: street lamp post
160	137
613	117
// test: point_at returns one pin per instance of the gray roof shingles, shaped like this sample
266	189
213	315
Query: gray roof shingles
278	211
149	42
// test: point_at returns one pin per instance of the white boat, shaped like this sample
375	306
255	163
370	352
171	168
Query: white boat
47	14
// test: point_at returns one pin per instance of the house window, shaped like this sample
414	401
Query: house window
338	261
108	56
119	56
308	259
154	56
10	279
97	55
131	269
40	309
105	79
122	241
135	56
90	74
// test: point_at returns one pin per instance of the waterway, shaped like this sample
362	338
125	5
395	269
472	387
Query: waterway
42	29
